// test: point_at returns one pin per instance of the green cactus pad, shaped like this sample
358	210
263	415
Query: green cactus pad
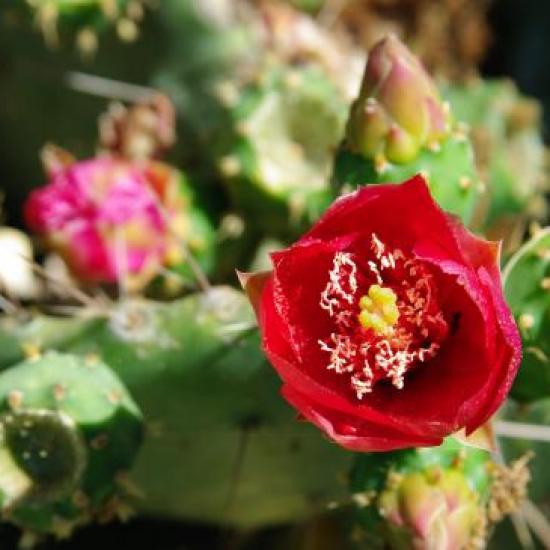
222	445
449	170
69	428
85	18
277	162
505	128
527	290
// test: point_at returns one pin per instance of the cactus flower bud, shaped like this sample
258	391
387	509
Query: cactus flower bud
441	498
432	509
398	111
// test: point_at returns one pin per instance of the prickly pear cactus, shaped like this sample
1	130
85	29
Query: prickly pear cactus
527	288
399	126
276	162
219	438
443	497
69	432
505	128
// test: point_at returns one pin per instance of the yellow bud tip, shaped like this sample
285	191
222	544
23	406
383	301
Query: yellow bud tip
379	310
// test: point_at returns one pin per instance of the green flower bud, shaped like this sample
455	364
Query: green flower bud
399	110
439	498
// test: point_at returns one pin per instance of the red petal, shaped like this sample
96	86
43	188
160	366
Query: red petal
400	215
353	432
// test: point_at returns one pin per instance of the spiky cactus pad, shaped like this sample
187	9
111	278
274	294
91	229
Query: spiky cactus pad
221	445
505	128
527	288
277	161
68	430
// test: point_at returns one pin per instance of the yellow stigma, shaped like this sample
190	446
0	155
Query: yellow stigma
379	309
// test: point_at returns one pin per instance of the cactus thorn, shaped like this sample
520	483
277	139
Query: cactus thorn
363	499
380	163
243	129
465	182
15	399
59	392
91	359
127	30
31	350
80	500
114	397
99	442
434	146
227	93
230	166
526	321
62	528
293	80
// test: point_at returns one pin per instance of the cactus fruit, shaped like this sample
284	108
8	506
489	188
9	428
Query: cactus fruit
505	128
277	162
526	286
68	431
221	445
433	499
399	126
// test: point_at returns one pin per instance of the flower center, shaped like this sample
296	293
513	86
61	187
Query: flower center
386	316
379	310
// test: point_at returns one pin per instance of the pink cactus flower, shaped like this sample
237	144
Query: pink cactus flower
104	218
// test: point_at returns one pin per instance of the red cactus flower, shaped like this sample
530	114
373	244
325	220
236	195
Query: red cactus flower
387	323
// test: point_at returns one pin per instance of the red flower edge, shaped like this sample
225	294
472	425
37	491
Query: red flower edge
386	321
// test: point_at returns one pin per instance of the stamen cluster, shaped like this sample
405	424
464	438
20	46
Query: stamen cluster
386	315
